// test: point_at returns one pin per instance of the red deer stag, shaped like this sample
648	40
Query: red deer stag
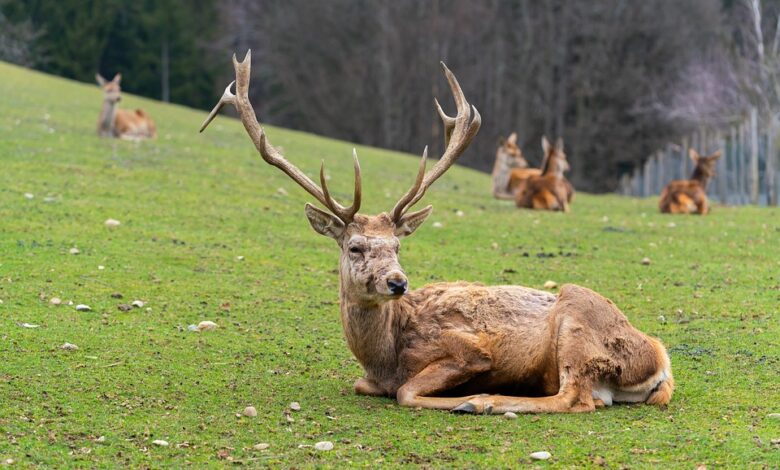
690	196
447	345
510	164
550	190
122	123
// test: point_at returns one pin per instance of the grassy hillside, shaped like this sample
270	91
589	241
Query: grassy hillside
210	232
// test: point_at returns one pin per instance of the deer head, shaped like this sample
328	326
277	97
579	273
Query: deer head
554	162
111	89
369	266
705	166
509	147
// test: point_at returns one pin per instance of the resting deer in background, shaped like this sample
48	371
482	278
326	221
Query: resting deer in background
509	161
458	346
550	190
122	123
690	196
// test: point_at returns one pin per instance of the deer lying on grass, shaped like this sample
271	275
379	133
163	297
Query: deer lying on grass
690	196
447	345
510	165
550	190
122	123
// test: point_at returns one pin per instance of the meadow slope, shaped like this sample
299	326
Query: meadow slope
210	232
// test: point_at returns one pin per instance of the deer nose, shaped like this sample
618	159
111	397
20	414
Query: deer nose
397	286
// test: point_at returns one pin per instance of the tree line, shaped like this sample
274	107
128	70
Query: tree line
615	79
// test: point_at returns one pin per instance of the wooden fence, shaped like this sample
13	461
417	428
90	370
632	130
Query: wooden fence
748	172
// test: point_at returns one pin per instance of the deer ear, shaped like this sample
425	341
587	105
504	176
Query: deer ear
545	145
715	155
694	155
100	80
324	223
512	138
117	78
409	223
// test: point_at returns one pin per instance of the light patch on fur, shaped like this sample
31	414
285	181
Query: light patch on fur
603	393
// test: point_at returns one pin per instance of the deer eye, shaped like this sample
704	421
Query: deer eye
355	249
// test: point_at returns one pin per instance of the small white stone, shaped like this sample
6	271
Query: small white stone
83	308
28	325
645	261
111	223
324	445
49	199
69	347
101	267
550	285
261	446
240	258
192	328
282	191
55	301
671	225
160	442
295	406
605	219
459	213
207	326
510	415
101	439
74	251
29	195
661	319
8	461
773	416
438	225
250	411
542	455
137	303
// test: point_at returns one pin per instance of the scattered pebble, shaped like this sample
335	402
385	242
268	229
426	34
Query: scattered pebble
74	251
261	446
773	416
510	415
250	411
543	455
83	308
29	195
28	325
661	319
160	442
240	258
550	285
55	301
116	295
459	213
671	225
295	406
282	191
438	225
494	245
207	326
645	261
49	199
124	307
137	303
69	347
101	439
192	327
111	223
775	442
605	219
101	267
324	445
8	461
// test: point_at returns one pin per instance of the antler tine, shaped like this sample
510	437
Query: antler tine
270	154
401	205
459	131
344	213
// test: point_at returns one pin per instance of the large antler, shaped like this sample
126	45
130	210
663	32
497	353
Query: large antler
270	154
459	131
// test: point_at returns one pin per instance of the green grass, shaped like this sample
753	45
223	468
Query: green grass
191	204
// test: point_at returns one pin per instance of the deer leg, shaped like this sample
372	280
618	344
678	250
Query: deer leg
437	377
364	386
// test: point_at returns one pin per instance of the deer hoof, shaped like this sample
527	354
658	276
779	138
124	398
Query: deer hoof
465	407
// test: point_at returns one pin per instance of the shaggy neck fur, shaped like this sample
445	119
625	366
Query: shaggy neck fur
700	176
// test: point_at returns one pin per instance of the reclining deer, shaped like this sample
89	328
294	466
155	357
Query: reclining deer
122	123
690	196
510	165
550	190
457	346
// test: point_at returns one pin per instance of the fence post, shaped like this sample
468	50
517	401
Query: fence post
722	181
771	177
684	159
753	168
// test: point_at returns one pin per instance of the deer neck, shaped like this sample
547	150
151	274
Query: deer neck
701	177
106	119
553	167
372	331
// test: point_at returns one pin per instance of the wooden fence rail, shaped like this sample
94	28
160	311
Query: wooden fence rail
748	171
